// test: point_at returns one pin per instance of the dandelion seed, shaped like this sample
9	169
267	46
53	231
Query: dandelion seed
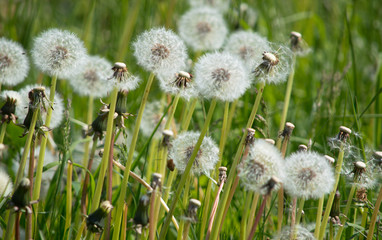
92	79
182	148
300	232
263	162
12	101
14	64
58	53
178	82
308	175
221	5
6	185
249	46
160	51
203	29
222	76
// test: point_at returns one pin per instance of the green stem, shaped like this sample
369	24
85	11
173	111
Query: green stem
331	196
187	226
345	213
232	172
2	131
231	114
364	221
106	152
243	225
253	210
123	187
188	117
184	203
68	216
299	211
374	216
319	215
88	121
187	170
170	115
331	231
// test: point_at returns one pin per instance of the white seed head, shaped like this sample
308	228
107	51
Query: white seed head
203	29
308	175
128	83
300	232
160	51
151	117
58	106
6	185
58	53
249	46
182	148
221	5
12	95
14	64
263	162
92	79
222	76
174	82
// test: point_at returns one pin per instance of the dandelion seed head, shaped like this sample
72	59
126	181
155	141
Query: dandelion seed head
160	50
6	185
203	28
221	5
14	64
300	232
58	106
308	175
58	53
222	76
263	162
178	82
183	147
92	79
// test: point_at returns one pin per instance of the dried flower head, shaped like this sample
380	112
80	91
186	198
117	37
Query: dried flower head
160	51
151	117
275	65
249	46
300	233
263	162
92	79
12	100
298	44
58	106
203	28
178	82
122	78
222	76
221	5
6	185
14	64
308	175
182	148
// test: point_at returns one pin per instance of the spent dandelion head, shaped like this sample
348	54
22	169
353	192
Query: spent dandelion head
183	147
192	211
92	79
58	53
308	175
178	82
123	79
263	162
20	198
12	100
298	44
360	173
222	76
14	64
160	50
203	28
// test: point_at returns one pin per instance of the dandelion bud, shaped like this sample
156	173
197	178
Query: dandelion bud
270	185
192	211
270	141
99	124
329	159
8	110
20	198
94	222
344	134
36	96
141	215
222	175
250	136
302	148
167	135
156	181
5	183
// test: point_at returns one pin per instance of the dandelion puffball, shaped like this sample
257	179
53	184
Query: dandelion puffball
14	64
178	82
222	76
203	29
58	53
263	162
308	175
159	50
182	148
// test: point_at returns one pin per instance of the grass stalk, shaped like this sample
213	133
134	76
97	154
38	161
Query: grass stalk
123	187
346	211
374	216
186	121
68	215
319	215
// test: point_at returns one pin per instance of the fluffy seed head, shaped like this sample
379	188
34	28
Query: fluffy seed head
5	184
301	234
58	53
182	148
222	76
160	51
308	175
221	5
263	162
14	64
58	106
92	79
203	29
178	82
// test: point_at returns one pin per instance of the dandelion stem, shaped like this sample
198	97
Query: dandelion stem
187	226
319	215
299	210
243	225
253	210
187	119
17	224
123	186
124	222
257	219
345	213
87	176
187	170
68	216
153	210
213	210
184	203
374	216
331	196
331	231
293	217
363	222
232	172
29	228
88	121
2	131
109	189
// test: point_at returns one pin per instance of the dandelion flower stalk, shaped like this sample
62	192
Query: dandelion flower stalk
374	216
2	131
184	203
68	215
30	176
156	185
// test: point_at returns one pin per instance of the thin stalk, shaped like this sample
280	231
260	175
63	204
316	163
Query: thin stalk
319	215
374	216
87	176
68	215
170	179
331	231
243	225
109	190
124	222
280	193
152	220
29	228
293	218
365	211
187	170
17	224
206	210
187	226
88	121
231	114
187	119
253	210
299	210
184	203
82	228
230	197
232	172
331	196
257	219
2	131
123	187
172	110
213	210
106	152
345	213
150	159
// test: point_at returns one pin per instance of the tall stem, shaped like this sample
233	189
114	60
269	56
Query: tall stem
187	119
257	219
345	213
299	210
2	131
87	176
109	189
88	121
319	215
68	216
184	203
243	227
374	216
187	170
29	228
123	187
365	211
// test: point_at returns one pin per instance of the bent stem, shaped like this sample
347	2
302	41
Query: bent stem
374	216
187	170
123	186
345	213
257	219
